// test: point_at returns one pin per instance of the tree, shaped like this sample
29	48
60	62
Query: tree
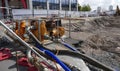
79	7
84	8
89	8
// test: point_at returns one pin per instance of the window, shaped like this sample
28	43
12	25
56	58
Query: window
73	5
17	4
54	4
39	4
65	4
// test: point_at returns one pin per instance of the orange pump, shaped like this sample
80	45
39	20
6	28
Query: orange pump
35	31
20	30
43	30
59	31
56	31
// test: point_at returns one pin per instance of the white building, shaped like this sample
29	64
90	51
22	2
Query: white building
110	8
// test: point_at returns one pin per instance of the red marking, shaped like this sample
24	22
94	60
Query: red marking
23	62
5	53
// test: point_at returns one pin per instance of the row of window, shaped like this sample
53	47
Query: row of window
54	4
57	1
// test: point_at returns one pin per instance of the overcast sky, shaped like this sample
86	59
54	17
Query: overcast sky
102	3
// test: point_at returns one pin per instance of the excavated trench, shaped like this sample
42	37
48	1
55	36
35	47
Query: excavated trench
103	43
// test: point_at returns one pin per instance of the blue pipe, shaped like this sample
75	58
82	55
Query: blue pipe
53	56
69	47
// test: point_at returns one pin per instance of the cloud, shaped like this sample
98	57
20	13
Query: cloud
102	3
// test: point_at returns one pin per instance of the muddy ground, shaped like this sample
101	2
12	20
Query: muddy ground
101	38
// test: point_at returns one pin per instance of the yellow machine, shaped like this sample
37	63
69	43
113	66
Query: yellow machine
40	30
20	29
56	31
43	30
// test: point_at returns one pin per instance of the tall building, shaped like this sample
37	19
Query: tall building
99	9
110	8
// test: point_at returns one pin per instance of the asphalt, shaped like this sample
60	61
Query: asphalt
10	65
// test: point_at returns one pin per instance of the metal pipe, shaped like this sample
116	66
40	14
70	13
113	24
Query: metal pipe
28	30
39	33
23	42
70	28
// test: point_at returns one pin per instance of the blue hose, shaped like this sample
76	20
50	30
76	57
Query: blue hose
53	56
69	47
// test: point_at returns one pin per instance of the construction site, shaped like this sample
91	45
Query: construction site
59	42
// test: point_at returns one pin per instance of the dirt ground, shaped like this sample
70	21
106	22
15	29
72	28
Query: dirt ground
100	36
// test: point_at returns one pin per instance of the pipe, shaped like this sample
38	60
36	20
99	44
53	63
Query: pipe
35	63
53	56
23	42
69	47
85	58
38	45
69	65
78	55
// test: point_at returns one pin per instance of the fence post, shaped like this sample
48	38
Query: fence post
70	26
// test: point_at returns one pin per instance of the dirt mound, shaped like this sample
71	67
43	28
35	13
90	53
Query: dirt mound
104	44
105	22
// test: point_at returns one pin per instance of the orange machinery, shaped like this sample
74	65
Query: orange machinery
41	30
20	29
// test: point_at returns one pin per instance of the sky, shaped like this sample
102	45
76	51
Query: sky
104	4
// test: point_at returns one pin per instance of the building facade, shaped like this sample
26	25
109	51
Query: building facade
110	8
40	6
69	5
